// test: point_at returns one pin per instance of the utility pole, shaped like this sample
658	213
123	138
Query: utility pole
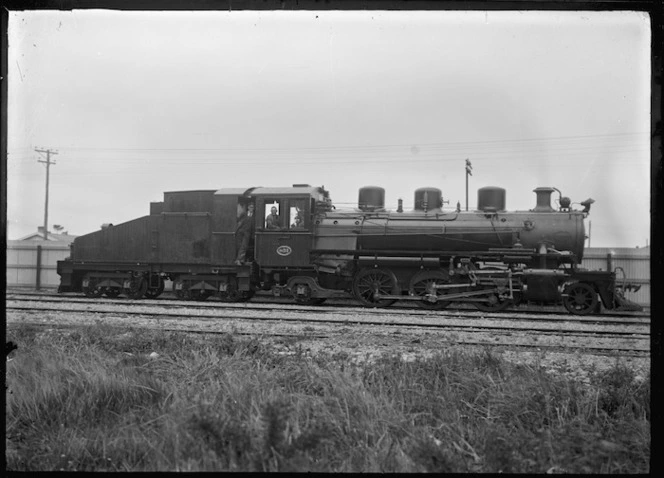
469	168
48	163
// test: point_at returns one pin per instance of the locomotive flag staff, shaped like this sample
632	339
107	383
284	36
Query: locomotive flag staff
211	243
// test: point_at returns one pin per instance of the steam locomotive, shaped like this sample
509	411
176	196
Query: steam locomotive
488	257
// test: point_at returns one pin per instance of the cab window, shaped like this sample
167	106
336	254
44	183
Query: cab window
272	214
296	214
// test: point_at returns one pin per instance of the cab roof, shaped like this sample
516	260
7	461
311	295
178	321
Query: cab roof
296	190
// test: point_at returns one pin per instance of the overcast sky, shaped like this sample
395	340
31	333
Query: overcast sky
136	104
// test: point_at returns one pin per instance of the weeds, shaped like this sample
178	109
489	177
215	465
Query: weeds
96	400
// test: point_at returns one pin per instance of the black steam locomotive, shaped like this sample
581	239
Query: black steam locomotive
311	251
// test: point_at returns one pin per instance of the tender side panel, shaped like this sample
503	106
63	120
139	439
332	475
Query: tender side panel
184	238
127	242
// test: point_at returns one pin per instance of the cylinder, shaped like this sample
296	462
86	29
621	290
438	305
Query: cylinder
371	198
428	198
491	198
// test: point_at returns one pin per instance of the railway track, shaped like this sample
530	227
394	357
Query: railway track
285	302
625	335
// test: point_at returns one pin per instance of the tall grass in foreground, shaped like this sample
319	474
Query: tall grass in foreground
94	400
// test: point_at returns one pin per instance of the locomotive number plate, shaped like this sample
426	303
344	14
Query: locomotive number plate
284	250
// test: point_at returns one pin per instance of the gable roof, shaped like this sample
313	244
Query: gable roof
38	236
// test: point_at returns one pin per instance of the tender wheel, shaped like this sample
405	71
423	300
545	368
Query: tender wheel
310	300
112	292
198	294
90	288
580	299
495	304
245	295
369	282
229	292
137	287
179	290
420	286
154	292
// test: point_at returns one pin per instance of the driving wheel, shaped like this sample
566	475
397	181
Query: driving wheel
422	285
370	282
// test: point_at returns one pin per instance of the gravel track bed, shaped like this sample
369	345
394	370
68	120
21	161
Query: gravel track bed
563	343
562	324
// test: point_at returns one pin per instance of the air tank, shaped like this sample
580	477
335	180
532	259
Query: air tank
491	198
371	198
428	198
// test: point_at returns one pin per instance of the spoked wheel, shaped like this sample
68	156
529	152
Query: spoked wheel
494	304
369	282
302	295
421	285
112	292
90	287
154	292
580	299
137	287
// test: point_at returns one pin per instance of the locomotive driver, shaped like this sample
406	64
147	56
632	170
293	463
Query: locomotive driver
272	221
243	234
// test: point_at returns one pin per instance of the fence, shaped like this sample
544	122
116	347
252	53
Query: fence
33	264
634	261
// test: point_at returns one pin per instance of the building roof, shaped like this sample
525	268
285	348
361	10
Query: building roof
38	236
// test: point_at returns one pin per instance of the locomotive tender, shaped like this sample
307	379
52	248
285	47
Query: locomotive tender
488	257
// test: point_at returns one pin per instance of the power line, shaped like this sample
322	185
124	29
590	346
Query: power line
48	163
360	147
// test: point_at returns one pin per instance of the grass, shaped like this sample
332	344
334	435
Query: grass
94	400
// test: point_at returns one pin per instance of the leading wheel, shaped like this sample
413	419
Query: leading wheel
370	282
580	298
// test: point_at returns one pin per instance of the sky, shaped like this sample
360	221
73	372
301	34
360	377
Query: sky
138	103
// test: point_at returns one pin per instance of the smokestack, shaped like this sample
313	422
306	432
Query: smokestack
543	199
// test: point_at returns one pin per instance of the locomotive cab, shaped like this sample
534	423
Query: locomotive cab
284	226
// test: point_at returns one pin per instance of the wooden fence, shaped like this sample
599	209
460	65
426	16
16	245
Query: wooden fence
34	263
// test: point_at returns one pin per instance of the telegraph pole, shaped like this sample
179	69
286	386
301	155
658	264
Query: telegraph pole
469	168
48	163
